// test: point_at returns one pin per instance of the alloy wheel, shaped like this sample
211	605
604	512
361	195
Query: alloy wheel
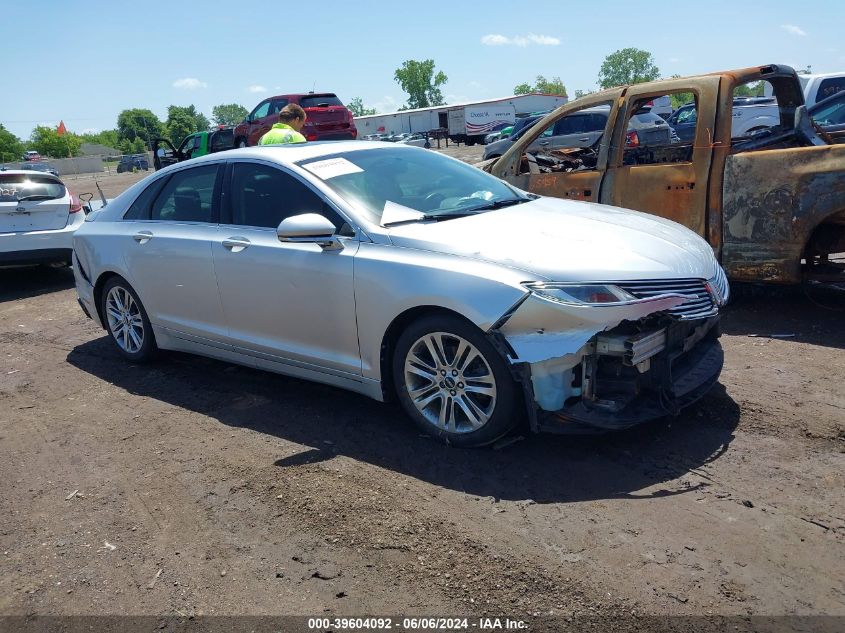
124	319
450	382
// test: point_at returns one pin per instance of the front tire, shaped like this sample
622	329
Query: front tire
127	321
453	383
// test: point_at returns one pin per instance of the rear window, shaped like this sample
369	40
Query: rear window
14	187
319	101
829	87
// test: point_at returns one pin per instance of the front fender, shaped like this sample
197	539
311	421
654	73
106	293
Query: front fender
390	281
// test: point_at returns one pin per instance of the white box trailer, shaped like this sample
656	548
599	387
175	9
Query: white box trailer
453	118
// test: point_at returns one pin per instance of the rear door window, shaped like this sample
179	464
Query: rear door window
14	187
189	196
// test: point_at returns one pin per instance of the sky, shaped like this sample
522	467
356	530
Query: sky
83	61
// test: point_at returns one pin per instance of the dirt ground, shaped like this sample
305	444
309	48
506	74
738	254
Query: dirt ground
191	487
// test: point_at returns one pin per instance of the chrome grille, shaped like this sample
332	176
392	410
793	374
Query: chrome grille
698	308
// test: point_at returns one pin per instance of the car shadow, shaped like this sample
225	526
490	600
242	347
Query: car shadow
331	422
30	281
791	314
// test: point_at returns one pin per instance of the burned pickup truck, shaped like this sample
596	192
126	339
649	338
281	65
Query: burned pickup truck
771	204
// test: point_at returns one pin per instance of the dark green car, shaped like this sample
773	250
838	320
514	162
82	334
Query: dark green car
194	145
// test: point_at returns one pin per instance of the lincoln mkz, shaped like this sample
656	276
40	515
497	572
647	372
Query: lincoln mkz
400	273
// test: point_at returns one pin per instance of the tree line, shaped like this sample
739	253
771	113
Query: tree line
136	129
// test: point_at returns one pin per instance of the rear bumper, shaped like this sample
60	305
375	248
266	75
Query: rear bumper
40	247
38	256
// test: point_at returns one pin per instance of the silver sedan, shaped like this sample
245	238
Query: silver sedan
401	273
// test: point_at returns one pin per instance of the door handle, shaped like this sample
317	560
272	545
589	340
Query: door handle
142	237
236	244
584	140
544	142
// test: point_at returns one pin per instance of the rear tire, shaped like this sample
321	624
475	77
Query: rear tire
453	383
241	142
126	321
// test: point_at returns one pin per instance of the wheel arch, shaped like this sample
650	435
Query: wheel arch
98	292
394	331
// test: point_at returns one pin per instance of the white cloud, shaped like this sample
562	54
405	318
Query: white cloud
453	98
189	83
257	88
496	39
794	30
674	60
474	84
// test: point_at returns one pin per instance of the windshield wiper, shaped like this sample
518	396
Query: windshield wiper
500	204
39	196
436	217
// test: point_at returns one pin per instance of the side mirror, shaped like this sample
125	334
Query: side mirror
309	228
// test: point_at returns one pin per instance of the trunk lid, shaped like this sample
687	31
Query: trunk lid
48	209
325	111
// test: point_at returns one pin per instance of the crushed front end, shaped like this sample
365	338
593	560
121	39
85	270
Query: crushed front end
612	355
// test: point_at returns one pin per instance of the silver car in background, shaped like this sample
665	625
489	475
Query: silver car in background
401	273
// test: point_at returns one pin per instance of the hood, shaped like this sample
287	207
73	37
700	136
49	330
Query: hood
564	240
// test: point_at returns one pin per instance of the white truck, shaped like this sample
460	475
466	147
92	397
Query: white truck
750	115
471	124
816	87
819	87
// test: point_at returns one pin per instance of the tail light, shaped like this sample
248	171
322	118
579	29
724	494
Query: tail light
311	137
631	139
75	204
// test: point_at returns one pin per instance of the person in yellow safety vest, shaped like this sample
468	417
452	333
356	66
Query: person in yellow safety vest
291	119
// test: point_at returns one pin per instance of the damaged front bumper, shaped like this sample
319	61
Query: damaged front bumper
596	367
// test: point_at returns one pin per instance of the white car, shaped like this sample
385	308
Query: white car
38	216
417	140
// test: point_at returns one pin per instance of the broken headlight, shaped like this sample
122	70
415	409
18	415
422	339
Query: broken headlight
579	294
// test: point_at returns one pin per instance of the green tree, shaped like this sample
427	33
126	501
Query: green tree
553	86
627	66
752	89
139	123
582	93
11	147
47	142
356	106
184	120
109	138
419	80
179	124
228	113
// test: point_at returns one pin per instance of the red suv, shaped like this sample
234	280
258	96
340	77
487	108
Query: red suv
328	119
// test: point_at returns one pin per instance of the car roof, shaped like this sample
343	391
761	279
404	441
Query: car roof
290	153
28	172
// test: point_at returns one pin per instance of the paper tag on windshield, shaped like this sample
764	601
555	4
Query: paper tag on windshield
332	167
394	212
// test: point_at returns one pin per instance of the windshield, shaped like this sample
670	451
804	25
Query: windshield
13	187
389	184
